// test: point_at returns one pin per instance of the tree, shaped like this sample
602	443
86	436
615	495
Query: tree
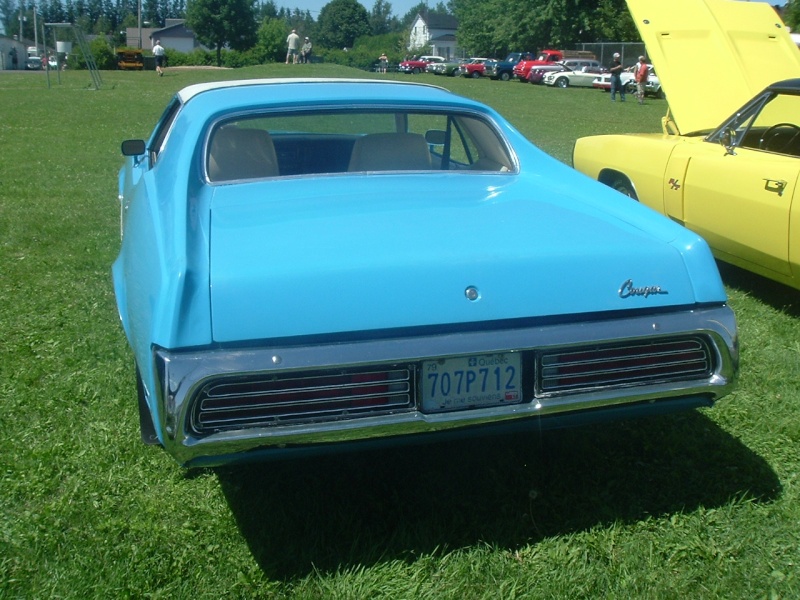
102	53
303	22
380	19
220	23
792	14
271	45
10	11
422	8
493	28
341	22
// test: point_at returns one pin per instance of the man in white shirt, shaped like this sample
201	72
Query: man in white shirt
158	52
293	41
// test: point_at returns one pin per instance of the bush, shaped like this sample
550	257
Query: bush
235	59
364	54
104	56
196	58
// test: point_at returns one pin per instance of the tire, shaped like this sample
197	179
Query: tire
415	71
630	88
623	185
476	75
659	93
562	82
504	76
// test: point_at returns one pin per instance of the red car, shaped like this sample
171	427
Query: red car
474	68
536	74
418	64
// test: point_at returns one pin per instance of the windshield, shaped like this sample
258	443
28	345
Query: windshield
769	123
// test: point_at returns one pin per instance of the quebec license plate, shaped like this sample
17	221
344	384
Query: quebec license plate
471	382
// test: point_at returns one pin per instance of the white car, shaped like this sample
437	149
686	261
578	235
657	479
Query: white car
582	78
652	88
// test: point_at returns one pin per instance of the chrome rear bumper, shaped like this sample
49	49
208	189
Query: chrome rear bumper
184	378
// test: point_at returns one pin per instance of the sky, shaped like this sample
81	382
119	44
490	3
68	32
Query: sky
399	7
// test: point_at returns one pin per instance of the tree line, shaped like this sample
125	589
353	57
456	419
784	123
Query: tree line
111	17
256	31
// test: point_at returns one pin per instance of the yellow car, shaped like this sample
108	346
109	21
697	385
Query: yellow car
728	160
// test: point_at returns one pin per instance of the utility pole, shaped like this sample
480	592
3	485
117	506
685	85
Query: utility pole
35	32
140	24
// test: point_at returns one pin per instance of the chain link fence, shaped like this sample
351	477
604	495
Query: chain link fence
604	51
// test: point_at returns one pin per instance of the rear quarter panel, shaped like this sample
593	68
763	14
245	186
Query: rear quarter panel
641	159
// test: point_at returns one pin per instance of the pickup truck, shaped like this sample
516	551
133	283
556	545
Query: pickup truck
547	57
504	69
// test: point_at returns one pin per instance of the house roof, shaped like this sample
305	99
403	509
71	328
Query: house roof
177	30
439	21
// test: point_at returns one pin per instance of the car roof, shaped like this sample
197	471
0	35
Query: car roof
712	56
191	91
209	100
789	86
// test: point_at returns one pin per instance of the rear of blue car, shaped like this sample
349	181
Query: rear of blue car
312	300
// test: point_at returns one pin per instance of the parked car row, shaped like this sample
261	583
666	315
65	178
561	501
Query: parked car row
580	71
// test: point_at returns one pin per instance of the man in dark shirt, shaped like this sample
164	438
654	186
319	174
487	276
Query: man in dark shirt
616	81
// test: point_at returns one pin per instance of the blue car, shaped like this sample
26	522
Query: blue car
317	264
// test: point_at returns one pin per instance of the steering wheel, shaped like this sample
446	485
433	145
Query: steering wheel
771	134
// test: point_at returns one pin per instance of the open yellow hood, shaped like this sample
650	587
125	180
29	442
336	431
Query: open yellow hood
712	56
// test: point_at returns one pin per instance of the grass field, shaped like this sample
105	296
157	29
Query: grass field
697	505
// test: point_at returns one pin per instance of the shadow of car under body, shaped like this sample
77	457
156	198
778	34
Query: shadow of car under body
362	508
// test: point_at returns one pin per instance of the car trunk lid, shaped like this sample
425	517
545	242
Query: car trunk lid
295	257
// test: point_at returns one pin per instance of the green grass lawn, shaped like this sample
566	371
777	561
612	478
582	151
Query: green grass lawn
697	505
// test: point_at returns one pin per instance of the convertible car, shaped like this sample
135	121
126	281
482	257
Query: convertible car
317	264
728	160
568	78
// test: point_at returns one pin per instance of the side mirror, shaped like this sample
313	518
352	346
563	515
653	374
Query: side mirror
728	141
133	147
436	137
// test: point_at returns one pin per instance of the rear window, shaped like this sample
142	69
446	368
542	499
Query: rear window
317	143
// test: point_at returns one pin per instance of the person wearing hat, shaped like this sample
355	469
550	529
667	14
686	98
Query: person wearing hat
293	41
305	51
616	79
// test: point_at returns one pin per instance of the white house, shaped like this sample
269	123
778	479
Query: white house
435	34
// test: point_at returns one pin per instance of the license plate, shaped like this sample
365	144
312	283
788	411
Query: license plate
471	382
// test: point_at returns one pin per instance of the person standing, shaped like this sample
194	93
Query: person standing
305	52
158	53
616	79
384	62
293	42
642	71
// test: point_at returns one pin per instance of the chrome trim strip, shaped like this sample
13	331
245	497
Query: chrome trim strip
182	374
